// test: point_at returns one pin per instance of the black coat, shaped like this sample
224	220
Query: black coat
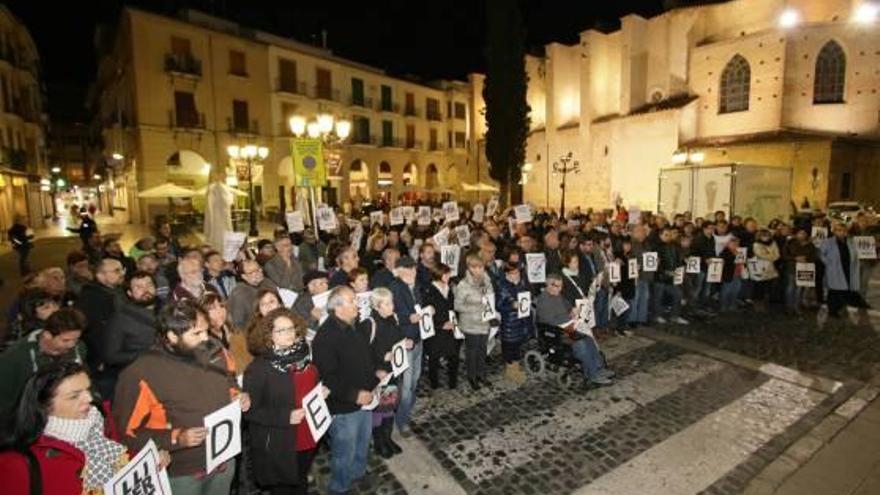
130	332
443	343
272	437
388	333
98	303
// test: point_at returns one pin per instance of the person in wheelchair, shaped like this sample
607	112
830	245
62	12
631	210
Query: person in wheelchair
554	310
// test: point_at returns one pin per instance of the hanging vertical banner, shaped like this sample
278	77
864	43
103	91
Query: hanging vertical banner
308	162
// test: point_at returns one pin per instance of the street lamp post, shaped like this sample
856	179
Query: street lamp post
331	132
566	165
249	154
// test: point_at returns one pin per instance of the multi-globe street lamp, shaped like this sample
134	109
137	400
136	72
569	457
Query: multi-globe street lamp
566	165
249	154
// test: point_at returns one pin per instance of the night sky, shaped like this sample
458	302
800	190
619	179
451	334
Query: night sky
439	39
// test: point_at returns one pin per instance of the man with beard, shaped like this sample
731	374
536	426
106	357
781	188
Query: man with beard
132	330
192	282
165	394
112	249
148	263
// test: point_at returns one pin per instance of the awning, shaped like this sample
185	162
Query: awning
479	187
167	190
204	190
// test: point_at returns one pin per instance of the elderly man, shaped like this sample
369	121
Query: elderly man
244	295
283	268
342	356
98	302
841	259
384	276
316	283
554	310
407	295
192	283
346	261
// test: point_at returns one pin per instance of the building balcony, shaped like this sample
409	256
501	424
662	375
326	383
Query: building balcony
290	87
436	147
325	93
243	127
391	142
389	107
363	102
183	64
411	112
412	144
365	140
186	120
437	116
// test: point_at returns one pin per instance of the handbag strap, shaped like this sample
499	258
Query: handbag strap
35	476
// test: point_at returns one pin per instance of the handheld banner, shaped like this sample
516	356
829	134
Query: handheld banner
536	268
295	221
714	270
224	435
399	358
141	475
523	304
317	413
650	261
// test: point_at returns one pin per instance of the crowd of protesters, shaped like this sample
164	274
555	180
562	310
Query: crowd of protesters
114	350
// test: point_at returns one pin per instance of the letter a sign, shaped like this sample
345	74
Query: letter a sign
224	435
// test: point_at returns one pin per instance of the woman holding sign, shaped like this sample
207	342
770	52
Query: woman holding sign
280	375
443	345
59	430
474	301
514	303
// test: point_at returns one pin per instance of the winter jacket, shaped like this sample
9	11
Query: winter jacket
21	239
161	393
670	258
513	328
794	249
241	301
387	334
22	361
383	277
343	357
443	343
405	301
130	332
835	276
285	276
60	468
638	249
769	253
98	303
223	283
469	294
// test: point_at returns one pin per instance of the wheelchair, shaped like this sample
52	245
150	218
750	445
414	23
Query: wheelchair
551	357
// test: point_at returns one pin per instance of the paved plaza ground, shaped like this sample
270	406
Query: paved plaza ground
754	403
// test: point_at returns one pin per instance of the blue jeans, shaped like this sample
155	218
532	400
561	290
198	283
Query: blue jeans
408	383
638	306
600	306
694	289
730	293
349	444
586	351
661	291
794	296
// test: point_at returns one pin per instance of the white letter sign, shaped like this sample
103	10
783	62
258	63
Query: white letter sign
633	266
295	221
232	242
650	261
479	211
614	272
141	475
399	358
693	264
715	270
426	322
326	218
450	255
450	211
522	213
424	217
224	435
317	413
523	304
488	308
678	277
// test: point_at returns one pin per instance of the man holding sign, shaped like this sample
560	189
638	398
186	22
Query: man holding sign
842	270
343	357
153	383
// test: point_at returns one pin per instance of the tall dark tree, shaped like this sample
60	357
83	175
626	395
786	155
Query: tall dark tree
507	112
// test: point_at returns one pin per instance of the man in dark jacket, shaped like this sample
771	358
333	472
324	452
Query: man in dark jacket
316	283
343	357
407	295
665	289
98	302
22	239
132	329
383	277
244	295
551	251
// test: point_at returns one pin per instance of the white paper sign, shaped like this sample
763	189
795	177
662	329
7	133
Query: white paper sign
450	255
714	270
463	233
409	213
522	213
457	333
317	413
819	234
678	277
536	268
490	344
650	261
424	217
693	264
479	213
634	215
450	211
295	221
320	302
492	206
441	238
377	217
523	304
488	308
426	322
633	268
232	242
326	218
437	215
399	358
805	274
866	246
586	315
742	253
619	305
396	216
223	441
141	475
363	303
613	272
288	297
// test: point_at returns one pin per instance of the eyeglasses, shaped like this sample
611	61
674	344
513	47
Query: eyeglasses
258	270
279	331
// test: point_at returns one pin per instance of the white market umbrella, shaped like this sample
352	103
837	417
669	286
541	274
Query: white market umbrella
167	190
479	187
237	192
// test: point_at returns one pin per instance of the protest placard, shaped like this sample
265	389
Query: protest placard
523	304
450	211
742	254
377	217
678	276
488	308
463	234
457	333
140	476
326	218
295	221
288	297
492	206
614	272
633	268
478	213
819	234
395	216
317	413
223	441
424	217
693	264
409	213
441	238
522	213
650	261
450	255
866	247
363	303
714	270
490	344
399	358
426	322
619	305
805	274
536	268
232	243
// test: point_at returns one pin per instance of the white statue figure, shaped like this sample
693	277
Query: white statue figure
218	214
